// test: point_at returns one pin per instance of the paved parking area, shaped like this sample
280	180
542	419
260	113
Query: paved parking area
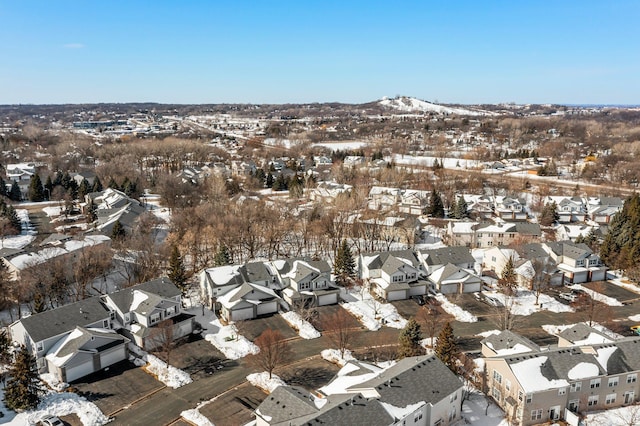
197	356
119	386
311	374
328	311
469	302
608	289
407	308
253	328
234	408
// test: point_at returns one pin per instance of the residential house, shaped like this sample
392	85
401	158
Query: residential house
307	282
488	234
52	333
112	205
602	209
140	310
582	334
479	206
556	383
573	231
496	258
432	259
413	201
569	209
393	275
452	279
506	343
21	172
353	160
383	198
419	391
243	168
577	262
248	301
327	192
537	255
509	208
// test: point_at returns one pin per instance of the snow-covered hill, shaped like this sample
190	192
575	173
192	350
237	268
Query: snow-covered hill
413	105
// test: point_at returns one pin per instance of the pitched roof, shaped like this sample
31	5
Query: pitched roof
582	333
507	340
286	403
60	320
444	255
161	287
64	349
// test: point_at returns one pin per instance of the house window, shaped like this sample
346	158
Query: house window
593	262
520	396
40	346
398	278
593	400
452	414
579	262
573	405
536	414
611	399
507	384
453	397
105	323
562	391
632	378
529	398
127	317
575	387
170	311
154	318
595	383
497	377
613	382
497	395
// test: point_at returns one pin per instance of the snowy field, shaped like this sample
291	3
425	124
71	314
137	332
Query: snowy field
342	146
304	328
27	234
456	311
473	411
372	313
524	302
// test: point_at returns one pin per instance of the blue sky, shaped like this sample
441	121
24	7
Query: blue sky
319	51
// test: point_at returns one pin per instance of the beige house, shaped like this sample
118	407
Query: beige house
540	385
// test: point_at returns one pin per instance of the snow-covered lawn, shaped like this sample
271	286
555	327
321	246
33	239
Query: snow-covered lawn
304	328
489	333
626	284
622	416
456	311
169	375
473	411
52	211
333	356
372	313
524	302
228	341
597	296
555	329
58	404
27	234
265	383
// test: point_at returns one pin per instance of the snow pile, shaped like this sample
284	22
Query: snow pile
52	211
167	374
583	370
524	302
195	417
265	383
372	313
635	318
304	328
333	356
62	404
229	342
456	311
53	382
599	297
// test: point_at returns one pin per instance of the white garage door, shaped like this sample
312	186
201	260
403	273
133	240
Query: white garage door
449	288
328	299
598	275
396	295
74	373
112	356
242	314
267	307
472	287
418	290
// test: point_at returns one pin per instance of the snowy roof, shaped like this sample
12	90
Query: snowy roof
26	260
162	287
76	341
252	293
444	255
504	342
582	334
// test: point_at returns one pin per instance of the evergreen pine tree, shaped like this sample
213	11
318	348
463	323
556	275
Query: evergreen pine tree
462	208
280	184
14	220
118	232
83	189
436	206
48	186
269	180
177	273
222	257
6	284
446	349
15	194
39	303
345	265
5	346
24	389
97	185
36	191
409	340
113	184
508	280
549	214
66	180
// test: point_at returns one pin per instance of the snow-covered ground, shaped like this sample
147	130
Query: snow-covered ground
333	356
626	284
57	404
455	310
372	313
167	374
474	408
265	383
228	341
623	416
27	234
343	145
195	417
597	296
305	329
524	302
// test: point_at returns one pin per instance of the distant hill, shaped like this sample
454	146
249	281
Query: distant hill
408	104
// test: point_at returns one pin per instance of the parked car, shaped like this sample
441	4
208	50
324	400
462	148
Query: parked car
569	297
50	420
636	329
493	301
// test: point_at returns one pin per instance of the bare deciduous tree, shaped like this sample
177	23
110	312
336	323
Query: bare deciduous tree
338	328
162	339
274	351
